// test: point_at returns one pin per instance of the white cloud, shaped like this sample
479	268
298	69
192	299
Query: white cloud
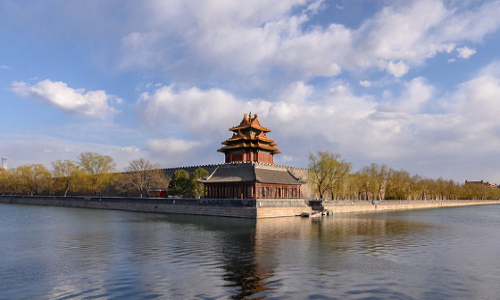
44	149
365	83
402	32
206	115
493	70
224	39
316	6
465	52
202	112
316	53
177	152
170	146
142	50
131	149
69	100
472	24
416	94
208	46
435	49
397	69
477	101
296	92
459	139
4	67
401	133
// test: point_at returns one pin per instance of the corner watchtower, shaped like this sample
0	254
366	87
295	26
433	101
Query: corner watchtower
249	142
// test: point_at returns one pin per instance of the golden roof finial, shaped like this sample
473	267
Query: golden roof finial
250	116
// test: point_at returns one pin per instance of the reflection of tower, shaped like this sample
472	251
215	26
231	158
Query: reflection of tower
4	163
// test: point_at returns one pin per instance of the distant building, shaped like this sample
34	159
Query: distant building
249	172
483	183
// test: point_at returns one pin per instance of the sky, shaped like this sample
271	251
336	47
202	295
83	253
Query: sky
414	85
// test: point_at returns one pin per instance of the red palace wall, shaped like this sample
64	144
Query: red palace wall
252	191
264	157
250	156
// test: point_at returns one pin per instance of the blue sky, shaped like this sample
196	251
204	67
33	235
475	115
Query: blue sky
411	84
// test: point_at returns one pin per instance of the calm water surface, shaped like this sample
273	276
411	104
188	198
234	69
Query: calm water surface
71	253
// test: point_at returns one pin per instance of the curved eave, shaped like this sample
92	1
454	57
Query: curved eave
239	127
243	146
248	138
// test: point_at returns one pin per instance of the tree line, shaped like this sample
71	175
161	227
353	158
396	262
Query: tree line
331	178
92	173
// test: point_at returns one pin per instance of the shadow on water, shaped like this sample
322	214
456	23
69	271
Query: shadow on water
142	254
234	249
78	253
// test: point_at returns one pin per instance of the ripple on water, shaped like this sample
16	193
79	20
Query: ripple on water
90	254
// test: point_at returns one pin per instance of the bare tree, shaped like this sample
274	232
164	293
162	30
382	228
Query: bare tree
327	172
99	170
319	171
377	178
9	182
67	175
141	176
34	179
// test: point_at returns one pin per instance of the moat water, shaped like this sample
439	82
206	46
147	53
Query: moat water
71	253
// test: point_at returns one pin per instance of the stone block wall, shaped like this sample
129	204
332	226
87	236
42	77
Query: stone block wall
246	208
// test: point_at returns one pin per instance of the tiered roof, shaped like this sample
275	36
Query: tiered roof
252	173
249	135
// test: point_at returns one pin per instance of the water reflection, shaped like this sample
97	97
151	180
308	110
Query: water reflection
77	253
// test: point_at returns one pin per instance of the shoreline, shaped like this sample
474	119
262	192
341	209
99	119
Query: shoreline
388	205
237	208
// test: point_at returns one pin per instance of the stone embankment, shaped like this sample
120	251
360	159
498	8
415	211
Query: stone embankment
247	208
367	206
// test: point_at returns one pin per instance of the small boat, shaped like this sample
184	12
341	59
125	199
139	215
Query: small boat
315	213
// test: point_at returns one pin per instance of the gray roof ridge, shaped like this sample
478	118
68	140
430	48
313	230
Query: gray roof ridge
186	167
279	166
292	174
255	174
210	176
296	178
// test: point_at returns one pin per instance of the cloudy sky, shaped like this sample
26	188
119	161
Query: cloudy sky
411	84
